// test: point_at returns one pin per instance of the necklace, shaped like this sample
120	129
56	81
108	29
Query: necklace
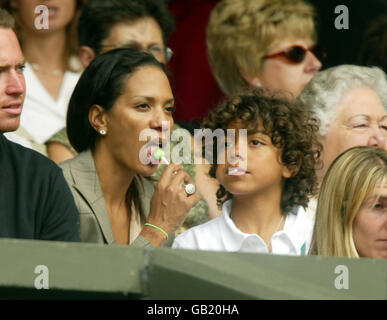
56	73
269	244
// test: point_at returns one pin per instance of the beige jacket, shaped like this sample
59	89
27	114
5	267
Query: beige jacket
95	226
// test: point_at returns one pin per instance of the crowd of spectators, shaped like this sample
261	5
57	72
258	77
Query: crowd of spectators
89	134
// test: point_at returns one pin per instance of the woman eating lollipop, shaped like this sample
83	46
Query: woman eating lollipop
121	95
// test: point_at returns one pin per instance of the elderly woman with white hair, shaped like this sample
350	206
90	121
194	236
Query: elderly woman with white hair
351	105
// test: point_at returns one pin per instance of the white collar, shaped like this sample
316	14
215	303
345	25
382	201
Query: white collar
296	229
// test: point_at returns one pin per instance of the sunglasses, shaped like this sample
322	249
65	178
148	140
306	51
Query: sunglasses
296	54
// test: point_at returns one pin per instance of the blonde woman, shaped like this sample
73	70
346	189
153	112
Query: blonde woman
263	43
351	216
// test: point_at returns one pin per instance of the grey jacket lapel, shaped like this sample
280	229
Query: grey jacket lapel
85	177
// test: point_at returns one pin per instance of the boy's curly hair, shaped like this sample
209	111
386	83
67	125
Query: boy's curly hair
292	130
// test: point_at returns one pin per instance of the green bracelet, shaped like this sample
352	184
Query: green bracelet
158	228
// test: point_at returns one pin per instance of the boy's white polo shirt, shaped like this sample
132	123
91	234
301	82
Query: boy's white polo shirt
221	234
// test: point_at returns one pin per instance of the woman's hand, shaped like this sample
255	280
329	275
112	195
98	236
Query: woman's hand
170	204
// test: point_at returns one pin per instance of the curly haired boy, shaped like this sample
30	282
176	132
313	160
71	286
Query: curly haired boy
265	183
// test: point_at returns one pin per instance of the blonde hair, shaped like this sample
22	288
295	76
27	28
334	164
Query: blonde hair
240	33
350	180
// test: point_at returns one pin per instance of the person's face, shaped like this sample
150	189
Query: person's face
143	34
147	100
361	121
256	168
60	13
281	73
370	226
12	84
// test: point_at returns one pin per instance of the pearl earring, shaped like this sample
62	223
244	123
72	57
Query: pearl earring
102	132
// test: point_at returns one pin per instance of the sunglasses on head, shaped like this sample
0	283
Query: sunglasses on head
296	54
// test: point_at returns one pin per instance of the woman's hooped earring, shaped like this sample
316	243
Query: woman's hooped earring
102	132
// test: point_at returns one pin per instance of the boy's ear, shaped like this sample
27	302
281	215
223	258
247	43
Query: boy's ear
289	171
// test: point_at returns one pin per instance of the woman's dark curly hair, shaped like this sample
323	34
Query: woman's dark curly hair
292	130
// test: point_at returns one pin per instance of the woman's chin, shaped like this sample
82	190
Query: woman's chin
148	170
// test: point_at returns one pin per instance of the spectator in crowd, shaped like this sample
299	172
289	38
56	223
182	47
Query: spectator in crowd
374	48
351	216
263	43
122	93
350	103
52	68
35	200
144	25
264	181
108	24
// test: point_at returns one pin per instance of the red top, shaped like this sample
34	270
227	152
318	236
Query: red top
196	89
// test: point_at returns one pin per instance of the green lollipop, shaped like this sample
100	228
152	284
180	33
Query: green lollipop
158	154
